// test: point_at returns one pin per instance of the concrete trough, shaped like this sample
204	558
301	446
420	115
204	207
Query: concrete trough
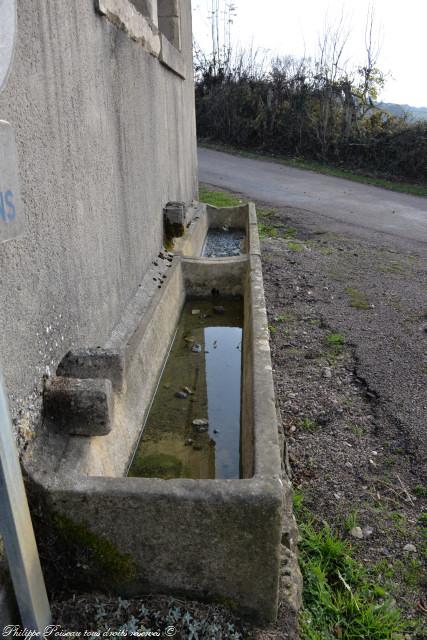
220	540
207	218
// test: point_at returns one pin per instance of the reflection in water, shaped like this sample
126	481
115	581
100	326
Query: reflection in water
193	427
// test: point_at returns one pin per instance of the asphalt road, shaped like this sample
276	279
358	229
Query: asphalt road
365	206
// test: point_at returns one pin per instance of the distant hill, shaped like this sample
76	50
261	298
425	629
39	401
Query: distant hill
399	110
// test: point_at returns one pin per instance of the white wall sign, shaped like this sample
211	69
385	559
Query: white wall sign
7	37
11	210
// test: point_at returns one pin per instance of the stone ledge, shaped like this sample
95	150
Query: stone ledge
94	363
79	407
171	57
142	30
139	28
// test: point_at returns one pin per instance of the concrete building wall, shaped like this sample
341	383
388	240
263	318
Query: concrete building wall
106	137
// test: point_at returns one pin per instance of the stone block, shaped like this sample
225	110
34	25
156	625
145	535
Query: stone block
139	27
78	407
94	363
147	8
172	58
168	8
175	220
175	212
170	27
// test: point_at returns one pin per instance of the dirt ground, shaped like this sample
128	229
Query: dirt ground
348	323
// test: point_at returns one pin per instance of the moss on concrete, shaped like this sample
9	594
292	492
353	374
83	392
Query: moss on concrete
172	231
98	556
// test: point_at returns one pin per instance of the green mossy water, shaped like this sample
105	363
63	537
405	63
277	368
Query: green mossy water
204	365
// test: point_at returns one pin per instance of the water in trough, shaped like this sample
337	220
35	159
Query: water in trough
193	427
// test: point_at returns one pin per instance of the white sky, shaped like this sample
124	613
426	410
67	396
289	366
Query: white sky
292	27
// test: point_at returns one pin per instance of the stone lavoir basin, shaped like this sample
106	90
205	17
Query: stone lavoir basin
161	463
193	426
225	232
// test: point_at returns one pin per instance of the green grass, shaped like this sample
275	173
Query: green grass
327	251
358	299
317	167
266	230
295	246
340	598
335	339
266	213
307	424
218	198
420	491
351	521
279	230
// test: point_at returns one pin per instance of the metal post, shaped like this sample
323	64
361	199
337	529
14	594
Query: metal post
17	531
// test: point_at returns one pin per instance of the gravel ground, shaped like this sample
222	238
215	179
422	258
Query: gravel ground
348	323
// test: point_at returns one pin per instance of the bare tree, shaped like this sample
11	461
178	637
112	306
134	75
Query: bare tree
329	69
371	78
222	14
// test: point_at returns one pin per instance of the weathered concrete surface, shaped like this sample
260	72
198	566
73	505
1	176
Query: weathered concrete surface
79	407
142	337
171	57
340	200
169	21
141	27
7	38
213	539
12	220
207	217
94	363
106	137
148	8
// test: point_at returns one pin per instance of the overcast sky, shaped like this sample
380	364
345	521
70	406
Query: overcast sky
293	27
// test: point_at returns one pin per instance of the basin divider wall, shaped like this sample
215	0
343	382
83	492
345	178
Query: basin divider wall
209	217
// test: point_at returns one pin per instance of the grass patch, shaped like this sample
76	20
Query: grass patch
335	340
288	232
317	167
295	246
420	491
341	600
307	424
266	230
266	213
327	251
278	230
392	267
218	198
359	432
358	299
351	521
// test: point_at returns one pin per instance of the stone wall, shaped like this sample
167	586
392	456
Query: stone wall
106	137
